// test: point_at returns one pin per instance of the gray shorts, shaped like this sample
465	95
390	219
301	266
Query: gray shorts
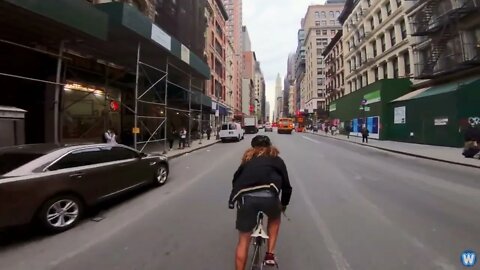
248	207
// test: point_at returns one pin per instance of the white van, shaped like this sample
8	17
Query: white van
231	131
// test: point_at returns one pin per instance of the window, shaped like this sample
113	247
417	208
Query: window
372	24
399	3
120	153
379	16
403	29
337	14
332	22
375	70
80	158
324	15
317	23
318	32
393	39
333	32
388	7
317	14
406	58
11	161
332	14
385	71
395	67
324	32
382	40
324	23
369	3
374	48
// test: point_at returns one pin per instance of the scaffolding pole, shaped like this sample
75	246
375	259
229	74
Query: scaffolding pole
135	123
56	106
189	110
166	106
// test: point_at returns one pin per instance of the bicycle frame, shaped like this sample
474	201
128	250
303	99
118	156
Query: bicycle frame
259	236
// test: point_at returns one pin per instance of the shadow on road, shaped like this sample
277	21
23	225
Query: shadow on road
20	235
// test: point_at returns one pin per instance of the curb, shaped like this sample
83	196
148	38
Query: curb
402	152
191	151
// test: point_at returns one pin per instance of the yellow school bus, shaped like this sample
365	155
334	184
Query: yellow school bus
285	125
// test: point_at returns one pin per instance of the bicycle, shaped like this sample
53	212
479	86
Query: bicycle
259	237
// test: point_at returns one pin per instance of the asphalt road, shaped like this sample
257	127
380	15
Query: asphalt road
352	208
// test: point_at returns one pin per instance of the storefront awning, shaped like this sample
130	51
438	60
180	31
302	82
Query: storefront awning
128	27
436	90
201	100
76	14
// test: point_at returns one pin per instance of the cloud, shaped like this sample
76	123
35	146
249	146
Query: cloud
273	26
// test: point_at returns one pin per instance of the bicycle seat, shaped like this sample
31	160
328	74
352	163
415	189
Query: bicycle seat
259	232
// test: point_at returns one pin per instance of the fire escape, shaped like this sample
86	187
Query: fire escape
439	30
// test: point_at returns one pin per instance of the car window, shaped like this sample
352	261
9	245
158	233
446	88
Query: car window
224	127
233	127
119	153
82	157
11	161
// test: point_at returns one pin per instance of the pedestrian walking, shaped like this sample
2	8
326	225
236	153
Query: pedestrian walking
171	137
209	131
326	129
334	130
348	129
365	134
183	138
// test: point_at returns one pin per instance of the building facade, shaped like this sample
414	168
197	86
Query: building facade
376	42
78	89
278	97
320	25
215	50
334	62
234	34
300	67
259	92
230	78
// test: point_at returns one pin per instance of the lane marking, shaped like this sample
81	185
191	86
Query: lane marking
310	139
332	246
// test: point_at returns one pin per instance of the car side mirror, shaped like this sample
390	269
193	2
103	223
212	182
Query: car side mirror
142	155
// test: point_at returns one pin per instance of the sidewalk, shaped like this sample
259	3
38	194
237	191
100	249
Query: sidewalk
175	152
439	153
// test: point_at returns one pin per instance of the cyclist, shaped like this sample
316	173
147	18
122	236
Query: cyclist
257	184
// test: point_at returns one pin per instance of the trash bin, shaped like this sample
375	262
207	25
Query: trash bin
12	125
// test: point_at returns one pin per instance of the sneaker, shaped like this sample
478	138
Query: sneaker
269	259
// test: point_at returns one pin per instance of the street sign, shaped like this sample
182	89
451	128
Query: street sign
136	130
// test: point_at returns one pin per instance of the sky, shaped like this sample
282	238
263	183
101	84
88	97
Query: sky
273	26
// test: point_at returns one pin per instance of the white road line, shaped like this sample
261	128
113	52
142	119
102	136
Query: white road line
322	227
309	139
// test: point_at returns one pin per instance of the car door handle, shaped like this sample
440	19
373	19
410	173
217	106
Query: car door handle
77	175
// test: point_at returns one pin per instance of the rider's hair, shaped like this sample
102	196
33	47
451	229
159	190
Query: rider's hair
254	152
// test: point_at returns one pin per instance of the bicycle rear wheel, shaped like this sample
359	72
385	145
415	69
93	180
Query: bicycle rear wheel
257	263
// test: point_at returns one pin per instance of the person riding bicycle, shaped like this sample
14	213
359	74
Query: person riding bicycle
257	184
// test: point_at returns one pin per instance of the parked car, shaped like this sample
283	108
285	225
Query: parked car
268	127
53	184
231	131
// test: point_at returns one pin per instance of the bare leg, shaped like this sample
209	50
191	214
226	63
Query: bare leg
273	229
242	250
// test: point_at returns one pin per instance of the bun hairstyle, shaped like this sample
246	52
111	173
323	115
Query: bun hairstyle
261	147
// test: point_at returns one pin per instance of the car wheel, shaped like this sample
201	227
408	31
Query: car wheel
223	140
161	175
60	213
238	138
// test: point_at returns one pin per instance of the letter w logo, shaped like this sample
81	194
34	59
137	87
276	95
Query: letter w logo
469	258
